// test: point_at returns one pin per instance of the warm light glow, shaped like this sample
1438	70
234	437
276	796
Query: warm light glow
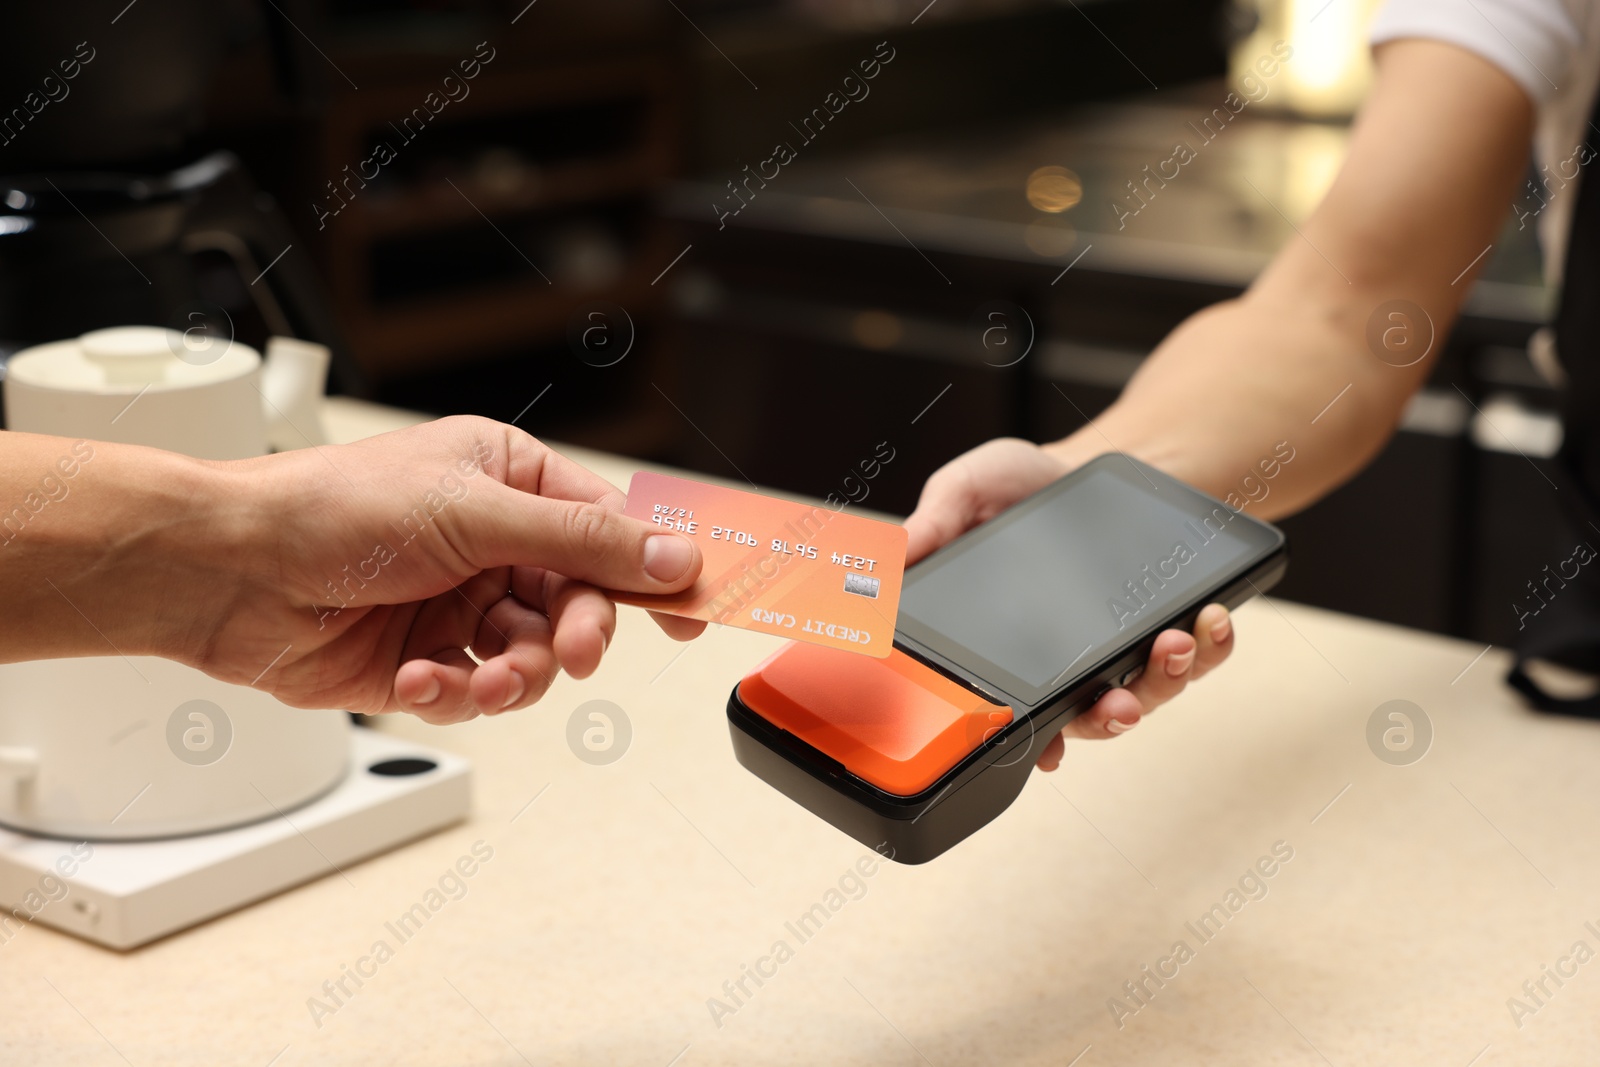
1054	189
1331	65
876	329
1324	50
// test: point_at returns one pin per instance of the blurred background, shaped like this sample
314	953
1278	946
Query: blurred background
577	216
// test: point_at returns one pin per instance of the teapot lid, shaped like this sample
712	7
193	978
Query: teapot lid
129	359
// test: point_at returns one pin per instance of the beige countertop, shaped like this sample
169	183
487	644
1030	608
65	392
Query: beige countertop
619	899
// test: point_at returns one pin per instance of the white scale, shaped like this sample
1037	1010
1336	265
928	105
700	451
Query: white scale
127	893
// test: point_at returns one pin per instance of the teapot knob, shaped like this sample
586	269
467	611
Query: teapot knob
132	355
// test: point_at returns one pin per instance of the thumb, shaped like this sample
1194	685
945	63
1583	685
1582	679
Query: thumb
922	536
944	512
583	540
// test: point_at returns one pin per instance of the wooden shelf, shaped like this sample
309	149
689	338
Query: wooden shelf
597	168
436	206
425	332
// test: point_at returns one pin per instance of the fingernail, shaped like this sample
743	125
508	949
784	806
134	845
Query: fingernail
429	694
518	687
667	556
1179	662
1220	632
1117	726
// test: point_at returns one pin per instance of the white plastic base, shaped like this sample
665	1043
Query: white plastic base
126	893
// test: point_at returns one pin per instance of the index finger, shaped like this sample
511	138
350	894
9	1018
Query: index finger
534	467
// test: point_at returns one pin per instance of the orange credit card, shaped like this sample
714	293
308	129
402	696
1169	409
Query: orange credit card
800	571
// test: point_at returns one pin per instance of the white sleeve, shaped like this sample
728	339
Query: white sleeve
1535	42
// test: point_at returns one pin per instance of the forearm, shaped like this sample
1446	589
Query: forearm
110	549
1265	403
1290	364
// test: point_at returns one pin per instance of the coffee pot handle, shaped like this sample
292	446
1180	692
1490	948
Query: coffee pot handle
231	215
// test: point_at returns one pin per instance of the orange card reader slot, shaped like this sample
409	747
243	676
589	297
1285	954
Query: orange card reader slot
892	722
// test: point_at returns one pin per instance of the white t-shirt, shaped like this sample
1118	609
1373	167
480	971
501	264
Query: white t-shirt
1549	47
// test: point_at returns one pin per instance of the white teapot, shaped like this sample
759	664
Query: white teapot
189	392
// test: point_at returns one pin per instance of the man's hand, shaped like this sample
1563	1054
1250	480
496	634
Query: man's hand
975	487
369	572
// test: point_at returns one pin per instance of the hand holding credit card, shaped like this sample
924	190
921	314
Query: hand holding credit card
800	571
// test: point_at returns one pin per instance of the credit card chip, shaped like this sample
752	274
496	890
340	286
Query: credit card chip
861	585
